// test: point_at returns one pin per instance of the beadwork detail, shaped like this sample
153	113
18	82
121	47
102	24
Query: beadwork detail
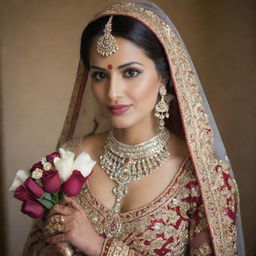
161	108
107	44
127	163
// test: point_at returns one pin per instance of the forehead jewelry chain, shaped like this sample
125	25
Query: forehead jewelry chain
127	163
107	44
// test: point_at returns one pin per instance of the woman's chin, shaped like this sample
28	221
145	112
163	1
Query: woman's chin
122	124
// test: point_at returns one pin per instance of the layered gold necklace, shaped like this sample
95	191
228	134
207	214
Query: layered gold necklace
127	163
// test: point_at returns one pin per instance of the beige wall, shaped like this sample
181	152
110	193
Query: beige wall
39	55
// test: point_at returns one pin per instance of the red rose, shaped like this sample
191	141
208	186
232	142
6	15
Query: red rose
51	181
34	188
36	165
32	209
74	184
21	193
50	157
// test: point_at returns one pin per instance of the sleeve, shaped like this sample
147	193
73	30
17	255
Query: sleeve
199	234
35	244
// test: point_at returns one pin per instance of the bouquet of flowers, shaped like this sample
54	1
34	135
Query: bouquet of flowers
42	186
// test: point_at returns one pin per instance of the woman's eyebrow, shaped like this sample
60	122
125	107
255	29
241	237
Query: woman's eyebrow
96	67
119	67
129	64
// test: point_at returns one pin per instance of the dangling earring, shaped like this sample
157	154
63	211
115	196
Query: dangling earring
161	108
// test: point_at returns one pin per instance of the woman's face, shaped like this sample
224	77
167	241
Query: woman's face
125	84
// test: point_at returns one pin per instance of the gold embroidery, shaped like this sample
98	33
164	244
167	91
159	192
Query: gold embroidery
200	224
150	227
202	250
199	134
118	248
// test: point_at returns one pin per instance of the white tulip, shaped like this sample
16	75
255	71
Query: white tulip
84	164
20	177
64	164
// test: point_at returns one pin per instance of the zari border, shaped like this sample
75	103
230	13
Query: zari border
210	171
113	247
74	105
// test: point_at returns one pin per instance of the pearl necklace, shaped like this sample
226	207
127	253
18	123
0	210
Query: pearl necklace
128	163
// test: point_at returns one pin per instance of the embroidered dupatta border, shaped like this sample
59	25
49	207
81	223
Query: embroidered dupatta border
209	170
218	200
74	105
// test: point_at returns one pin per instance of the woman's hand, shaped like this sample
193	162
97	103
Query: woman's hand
76	228
56	249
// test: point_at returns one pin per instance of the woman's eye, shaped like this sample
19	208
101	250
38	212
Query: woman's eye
131	72
99	76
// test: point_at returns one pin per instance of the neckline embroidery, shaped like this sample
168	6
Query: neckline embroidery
147	208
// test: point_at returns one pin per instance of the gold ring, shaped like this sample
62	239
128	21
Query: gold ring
58	227
53	228
60	219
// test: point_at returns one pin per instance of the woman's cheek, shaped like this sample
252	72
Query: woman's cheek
98	92
145	92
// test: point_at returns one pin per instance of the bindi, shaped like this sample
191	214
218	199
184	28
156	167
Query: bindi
110	67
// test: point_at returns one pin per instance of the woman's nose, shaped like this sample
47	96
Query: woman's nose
114	88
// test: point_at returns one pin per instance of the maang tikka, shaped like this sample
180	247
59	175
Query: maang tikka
161	108
107	44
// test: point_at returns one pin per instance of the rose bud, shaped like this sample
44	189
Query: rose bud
36	165
74	184
51	157
34	188
51	181
32	209
21	193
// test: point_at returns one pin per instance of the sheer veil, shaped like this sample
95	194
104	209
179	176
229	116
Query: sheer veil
206	147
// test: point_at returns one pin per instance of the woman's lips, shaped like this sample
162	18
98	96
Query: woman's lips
119	109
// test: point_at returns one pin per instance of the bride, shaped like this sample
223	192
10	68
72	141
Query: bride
162	184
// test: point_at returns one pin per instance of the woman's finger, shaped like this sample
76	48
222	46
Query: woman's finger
52	229
72	202
62	209
51	212
60	238
58	219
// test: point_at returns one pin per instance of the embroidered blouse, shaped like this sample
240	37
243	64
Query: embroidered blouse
173	224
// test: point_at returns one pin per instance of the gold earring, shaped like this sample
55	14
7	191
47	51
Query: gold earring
107	44
161	108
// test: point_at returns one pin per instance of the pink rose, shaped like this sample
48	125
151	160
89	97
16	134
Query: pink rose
21	193
34	188
50	157
74	184
51	181
32	209
36	165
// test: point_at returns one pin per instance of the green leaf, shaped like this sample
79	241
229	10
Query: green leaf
47	196
48	204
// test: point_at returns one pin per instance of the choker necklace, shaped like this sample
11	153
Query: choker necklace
127	163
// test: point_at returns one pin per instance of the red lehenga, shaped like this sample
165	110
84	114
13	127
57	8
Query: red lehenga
198	214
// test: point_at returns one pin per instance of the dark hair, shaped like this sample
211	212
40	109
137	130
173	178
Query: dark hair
133	30
138	33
